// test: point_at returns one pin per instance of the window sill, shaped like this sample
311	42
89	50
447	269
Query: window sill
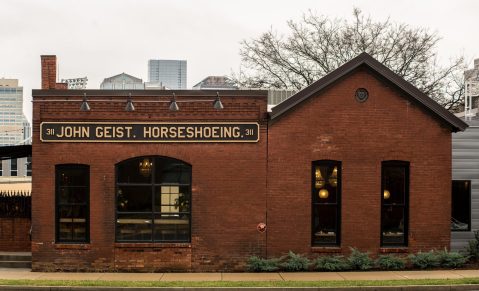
394	250
72	246
326	250
151	245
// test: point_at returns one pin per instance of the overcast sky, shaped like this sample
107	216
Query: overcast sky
102	38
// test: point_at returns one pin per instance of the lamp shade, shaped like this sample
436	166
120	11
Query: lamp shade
129	104
84	105
323	193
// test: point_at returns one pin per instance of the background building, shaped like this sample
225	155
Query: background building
121	82
170	74
14	130
216	83
471	81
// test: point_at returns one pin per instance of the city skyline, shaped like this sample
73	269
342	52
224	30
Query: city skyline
97	46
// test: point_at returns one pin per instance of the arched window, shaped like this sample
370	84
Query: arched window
153	200
326	203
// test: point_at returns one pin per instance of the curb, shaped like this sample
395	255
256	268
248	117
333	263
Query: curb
362	288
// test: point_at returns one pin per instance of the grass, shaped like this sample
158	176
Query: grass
348	283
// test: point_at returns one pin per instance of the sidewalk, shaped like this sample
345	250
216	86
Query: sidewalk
26	274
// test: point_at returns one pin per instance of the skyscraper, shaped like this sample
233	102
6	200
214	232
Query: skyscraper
170	74
14	127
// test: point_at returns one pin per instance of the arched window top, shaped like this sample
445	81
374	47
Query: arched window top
153	170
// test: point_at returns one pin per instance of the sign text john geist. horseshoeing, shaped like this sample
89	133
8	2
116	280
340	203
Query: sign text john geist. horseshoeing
149	132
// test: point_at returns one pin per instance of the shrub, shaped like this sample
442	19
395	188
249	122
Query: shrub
451	259
257	264
390	262
295	262
359	260
328	263
472	250
425	260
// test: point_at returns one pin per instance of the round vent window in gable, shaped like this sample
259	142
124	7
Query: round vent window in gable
361	95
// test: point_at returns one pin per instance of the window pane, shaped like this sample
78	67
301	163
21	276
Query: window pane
169	171
394	179
72	223
172	227
393	225
324	224
134	198
134	227
172	199
461	206
73	176
137	170
72	195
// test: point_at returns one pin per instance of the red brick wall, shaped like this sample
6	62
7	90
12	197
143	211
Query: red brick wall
333	125
228	187
15	235
230	194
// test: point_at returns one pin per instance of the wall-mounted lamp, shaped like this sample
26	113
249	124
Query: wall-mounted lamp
174	104
129	104
217	104
84	105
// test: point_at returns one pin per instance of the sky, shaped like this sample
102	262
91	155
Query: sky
102	38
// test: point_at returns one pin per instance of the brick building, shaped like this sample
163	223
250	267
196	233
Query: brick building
187	180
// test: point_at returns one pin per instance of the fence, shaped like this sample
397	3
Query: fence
15	204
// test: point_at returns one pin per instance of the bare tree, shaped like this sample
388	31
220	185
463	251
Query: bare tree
317	45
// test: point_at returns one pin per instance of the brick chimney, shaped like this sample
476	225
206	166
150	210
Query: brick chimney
49	73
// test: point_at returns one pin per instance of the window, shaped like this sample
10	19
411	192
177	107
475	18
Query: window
29	166
13	167
72	203
153	196
326	202
394	203
461	205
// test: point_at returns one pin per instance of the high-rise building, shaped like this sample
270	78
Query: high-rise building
169	74
14	128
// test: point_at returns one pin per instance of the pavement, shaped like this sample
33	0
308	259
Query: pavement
19	274
13	274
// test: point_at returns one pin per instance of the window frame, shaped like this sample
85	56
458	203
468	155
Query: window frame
152	184
58	167
470	204
406	166
338	203
14	172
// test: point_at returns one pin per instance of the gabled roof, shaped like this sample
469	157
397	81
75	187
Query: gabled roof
121	77
365	59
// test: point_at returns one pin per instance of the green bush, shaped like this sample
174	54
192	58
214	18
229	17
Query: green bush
359	260
451	259
472	250
390	262
257	264
425	260
295	262
331	263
